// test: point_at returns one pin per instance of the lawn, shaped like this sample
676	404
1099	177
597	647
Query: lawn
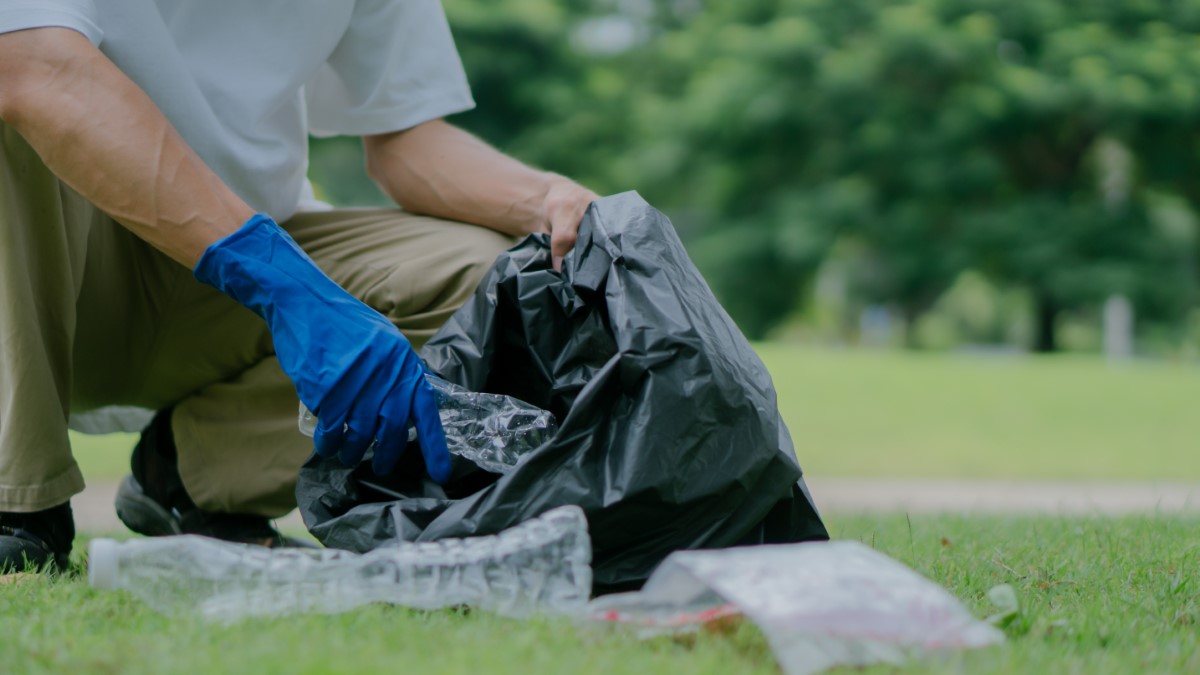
862	413
103	457
1097	596
865	413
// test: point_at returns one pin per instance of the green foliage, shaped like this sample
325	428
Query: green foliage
972	124
1030	142
338	172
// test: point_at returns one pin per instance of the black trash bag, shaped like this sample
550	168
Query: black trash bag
670	437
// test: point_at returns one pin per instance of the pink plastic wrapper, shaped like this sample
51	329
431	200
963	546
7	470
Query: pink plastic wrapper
820	604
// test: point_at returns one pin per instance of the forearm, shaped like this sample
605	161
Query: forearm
439	170
101	135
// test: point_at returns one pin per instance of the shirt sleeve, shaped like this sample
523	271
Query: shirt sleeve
79	15
395	67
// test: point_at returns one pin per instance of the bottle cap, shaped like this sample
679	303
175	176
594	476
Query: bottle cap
103	560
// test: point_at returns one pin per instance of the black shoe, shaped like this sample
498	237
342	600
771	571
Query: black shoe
152	500
36	541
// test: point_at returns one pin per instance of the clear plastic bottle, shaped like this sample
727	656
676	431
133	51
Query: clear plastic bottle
492	430
539	566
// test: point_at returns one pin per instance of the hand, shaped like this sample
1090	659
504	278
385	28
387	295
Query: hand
562	209
350	365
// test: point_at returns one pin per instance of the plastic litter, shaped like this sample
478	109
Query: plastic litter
669	435
541	566
490	430
819	604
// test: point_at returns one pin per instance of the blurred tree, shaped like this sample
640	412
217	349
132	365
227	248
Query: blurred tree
551	81
1025	140
1078	92
339	176
974	126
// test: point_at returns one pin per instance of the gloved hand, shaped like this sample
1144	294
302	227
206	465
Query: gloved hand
350	365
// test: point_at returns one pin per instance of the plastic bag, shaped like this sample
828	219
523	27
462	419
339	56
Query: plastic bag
819	605
669	433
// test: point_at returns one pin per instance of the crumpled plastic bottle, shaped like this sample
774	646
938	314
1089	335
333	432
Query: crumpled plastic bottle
491	430
541	566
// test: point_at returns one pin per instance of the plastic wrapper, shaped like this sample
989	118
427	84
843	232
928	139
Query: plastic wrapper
820	605
669	434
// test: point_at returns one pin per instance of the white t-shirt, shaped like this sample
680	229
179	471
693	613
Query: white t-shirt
245	81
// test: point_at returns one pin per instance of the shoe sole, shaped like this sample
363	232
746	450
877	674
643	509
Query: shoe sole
19	555
147	517
141	513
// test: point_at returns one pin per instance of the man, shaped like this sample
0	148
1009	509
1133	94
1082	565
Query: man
145	146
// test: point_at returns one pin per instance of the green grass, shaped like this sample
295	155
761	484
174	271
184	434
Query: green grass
104	457
1097	596
863	413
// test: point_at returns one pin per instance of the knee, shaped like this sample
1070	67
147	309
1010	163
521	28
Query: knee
445	277
480	248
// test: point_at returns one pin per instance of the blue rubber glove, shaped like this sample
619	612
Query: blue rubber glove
350	365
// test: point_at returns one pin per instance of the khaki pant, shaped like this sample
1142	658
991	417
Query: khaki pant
92	316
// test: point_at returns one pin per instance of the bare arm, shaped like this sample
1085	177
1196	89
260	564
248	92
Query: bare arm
100	133
440	170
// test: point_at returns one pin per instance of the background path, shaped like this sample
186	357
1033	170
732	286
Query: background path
94	511
1003	496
